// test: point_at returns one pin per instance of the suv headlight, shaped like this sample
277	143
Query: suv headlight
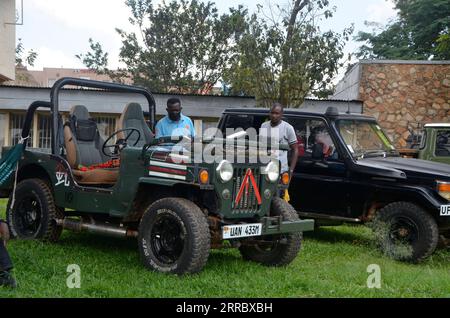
272	171
443	189
225	171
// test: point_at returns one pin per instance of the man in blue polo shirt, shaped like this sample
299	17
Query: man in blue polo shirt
175	123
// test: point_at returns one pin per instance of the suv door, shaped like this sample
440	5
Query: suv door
318	186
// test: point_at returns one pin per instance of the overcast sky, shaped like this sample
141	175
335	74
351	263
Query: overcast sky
59	29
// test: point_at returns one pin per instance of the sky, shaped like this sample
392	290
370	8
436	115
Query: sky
60	29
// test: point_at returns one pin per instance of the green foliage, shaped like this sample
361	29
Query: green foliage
186	46
444	46
22	58
414	34
181	45
284	59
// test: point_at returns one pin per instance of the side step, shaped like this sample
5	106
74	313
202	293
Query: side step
97	228
328	217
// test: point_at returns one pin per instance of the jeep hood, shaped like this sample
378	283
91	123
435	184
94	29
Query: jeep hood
411	167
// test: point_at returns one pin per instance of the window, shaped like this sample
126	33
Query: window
106	125
310	132
443	143
16	122
44	131
365	138
3	123
244	122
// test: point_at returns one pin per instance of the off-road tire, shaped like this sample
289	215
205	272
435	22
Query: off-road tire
281	253
40	193
423	227
194	229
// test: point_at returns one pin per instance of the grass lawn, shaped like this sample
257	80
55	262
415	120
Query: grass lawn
333	263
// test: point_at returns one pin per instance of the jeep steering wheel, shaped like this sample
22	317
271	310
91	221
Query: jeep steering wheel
120	143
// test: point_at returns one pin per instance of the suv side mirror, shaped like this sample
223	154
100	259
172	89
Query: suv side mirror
317	152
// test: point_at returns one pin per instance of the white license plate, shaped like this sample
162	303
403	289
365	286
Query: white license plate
241	230
445	210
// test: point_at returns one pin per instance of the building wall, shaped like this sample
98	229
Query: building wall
205	110
48	76
403	96
7	39
348	87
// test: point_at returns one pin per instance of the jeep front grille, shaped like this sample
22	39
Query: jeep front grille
248	202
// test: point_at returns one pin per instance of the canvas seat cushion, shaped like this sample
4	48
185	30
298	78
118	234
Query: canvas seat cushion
133	117
86	152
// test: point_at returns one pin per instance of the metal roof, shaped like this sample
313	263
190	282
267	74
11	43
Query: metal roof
437	125
435	62
159	93
294	112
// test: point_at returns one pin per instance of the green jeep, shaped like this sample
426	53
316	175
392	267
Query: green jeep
177	209
431	143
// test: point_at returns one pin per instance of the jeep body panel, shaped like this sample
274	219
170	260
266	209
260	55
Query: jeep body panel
424	144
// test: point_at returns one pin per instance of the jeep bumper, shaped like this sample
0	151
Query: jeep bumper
276	225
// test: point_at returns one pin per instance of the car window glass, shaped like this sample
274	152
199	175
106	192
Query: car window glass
310	132
442	148
238	122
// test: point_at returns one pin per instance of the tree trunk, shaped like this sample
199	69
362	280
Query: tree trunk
285	50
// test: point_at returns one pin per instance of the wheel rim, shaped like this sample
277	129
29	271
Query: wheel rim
403	230
28	216
167	239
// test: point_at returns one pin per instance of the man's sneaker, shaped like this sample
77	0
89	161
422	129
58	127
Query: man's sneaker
7	280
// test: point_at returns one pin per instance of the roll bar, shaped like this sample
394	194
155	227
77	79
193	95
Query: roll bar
112	87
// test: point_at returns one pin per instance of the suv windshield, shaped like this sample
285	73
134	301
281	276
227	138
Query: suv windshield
365	138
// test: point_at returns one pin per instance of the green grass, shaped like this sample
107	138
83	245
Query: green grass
332	263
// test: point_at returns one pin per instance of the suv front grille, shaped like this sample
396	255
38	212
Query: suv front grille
248	202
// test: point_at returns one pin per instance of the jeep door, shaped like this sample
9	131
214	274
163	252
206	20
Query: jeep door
318	185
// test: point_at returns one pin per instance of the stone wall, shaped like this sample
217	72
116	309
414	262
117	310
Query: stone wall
405	95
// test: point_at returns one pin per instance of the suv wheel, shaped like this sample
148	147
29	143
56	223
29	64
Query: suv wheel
34	212
279	250
174	237
405	231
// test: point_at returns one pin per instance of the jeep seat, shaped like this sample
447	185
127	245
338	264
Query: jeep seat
83	147
133	117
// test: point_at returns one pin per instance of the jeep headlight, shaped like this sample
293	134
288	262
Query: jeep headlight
225	171
443	189
272	171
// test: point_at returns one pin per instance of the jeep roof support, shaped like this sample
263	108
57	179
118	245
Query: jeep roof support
112	87
29	118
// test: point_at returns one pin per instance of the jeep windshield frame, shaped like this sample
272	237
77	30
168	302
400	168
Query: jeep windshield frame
365	138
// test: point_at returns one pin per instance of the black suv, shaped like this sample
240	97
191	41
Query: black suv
349	171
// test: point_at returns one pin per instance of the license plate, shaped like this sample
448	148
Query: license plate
241	230
445	210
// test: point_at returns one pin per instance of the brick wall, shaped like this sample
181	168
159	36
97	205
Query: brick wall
402	95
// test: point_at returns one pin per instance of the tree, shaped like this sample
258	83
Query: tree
22	58
419	32
181	46
286	57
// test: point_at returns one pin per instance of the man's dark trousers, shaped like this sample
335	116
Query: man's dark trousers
5	260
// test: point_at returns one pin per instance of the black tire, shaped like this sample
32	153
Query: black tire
34	212
174	237
284	248
405	232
